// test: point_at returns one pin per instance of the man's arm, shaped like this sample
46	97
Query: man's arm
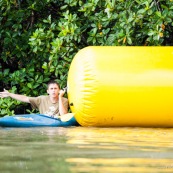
62	109
19	97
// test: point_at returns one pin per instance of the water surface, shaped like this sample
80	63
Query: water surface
86	150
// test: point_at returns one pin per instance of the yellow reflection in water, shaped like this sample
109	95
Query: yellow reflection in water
141	140
152	137
132	165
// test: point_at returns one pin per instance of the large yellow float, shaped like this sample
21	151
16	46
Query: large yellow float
122	86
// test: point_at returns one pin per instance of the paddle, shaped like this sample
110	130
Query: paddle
66	117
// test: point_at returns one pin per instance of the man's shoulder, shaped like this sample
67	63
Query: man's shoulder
43	97
64	99
38	98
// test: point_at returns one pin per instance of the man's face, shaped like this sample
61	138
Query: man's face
53	90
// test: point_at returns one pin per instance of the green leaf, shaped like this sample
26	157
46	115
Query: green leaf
150	33
141	11
158	13
29	85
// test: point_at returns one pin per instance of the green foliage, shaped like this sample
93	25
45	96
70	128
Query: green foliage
38	39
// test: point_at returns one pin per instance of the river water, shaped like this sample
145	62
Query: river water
86	150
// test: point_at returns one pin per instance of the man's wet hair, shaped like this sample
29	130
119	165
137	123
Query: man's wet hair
53	82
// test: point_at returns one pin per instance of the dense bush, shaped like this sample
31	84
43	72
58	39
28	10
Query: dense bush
38	39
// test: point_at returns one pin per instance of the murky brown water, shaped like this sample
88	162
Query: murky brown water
86	150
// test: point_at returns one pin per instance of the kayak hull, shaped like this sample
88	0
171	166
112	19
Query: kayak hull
35	120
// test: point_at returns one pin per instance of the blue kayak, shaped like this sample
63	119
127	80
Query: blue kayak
35	120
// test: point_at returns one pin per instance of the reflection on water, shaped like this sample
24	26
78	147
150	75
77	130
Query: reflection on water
122	150
82	150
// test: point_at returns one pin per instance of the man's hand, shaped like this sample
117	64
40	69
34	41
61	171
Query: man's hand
63	109
4	94
61	93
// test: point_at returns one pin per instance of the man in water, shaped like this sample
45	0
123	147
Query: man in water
53	104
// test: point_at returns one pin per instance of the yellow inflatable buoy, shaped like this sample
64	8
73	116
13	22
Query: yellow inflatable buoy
122	86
